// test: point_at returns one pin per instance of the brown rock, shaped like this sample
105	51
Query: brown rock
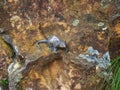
33	20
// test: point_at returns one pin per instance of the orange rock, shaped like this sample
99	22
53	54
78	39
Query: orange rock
10	1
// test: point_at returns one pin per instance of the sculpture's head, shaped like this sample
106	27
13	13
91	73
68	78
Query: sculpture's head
62	44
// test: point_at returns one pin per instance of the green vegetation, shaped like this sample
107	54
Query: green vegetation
4	82
114	83
116	74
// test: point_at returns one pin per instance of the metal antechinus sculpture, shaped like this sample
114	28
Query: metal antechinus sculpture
54	43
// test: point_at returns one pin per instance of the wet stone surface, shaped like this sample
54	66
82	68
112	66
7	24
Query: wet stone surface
80	23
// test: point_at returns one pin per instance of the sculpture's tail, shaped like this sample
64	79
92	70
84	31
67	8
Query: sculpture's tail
40	41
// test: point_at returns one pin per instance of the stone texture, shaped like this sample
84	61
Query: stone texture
27	21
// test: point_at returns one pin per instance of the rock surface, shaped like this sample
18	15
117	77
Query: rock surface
27	21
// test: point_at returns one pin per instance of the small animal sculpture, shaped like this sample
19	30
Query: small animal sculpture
54	43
